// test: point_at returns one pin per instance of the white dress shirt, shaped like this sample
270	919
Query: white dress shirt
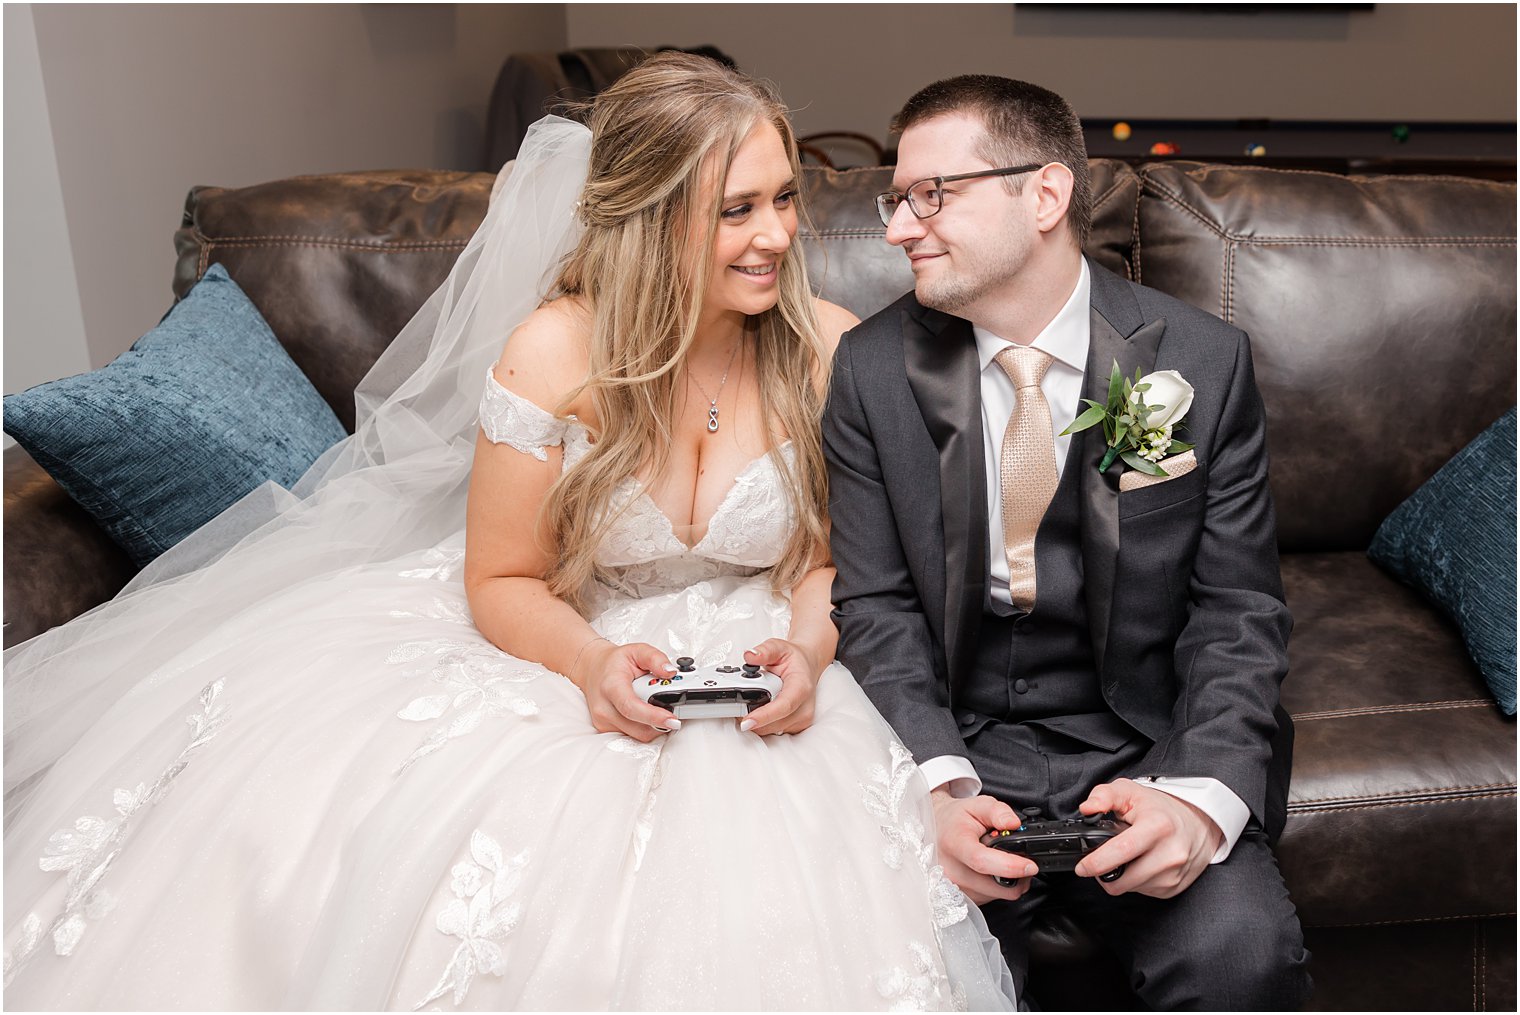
1065	339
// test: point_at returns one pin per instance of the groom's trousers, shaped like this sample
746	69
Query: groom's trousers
1230	942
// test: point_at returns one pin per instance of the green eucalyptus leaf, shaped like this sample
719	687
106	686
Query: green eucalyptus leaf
1091	417
1115	385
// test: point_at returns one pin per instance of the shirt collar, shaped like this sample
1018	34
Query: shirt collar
1064	339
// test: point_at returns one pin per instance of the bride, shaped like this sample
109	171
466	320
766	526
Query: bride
375	745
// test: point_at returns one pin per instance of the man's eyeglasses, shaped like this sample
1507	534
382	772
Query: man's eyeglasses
925	198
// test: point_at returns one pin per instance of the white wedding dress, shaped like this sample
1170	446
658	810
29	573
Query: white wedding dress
294	775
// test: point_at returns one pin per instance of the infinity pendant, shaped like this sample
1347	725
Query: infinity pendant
712	419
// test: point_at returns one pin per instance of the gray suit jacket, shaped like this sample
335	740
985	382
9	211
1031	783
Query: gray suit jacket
1184	596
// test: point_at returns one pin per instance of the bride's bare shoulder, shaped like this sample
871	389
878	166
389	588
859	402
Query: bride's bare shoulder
547	356
833	321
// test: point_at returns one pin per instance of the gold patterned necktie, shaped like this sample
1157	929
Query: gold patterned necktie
1027	474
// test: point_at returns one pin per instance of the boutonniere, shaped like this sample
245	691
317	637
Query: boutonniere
1139	418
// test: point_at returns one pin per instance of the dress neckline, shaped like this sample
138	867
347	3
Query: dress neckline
578	430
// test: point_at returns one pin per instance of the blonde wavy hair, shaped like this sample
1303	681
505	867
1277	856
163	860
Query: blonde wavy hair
657	134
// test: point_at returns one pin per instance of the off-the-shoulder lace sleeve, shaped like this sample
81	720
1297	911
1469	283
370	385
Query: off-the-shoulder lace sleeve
511	419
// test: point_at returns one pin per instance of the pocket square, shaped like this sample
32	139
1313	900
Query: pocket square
1177	465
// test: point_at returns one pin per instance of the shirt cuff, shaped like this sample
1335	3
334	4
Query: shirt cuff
1216	800
954	773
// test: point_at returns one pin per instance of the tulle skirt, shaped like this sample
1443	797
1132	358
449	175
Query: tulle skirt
345	797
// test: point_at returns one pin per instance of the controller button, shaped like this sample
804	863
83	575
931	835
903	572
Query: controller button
1032	812
686	664
728	669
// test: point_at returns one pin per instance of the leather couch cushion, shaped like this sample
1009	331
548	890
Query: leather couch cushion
336	264
58	561
1402	805
1382	316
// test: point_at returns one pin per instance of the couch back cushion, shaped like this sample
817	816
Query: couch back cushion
1381	308
1381	311
337	264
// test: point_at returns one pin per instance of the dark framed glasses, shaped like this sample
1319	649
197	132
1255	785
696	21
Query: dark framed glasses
925	197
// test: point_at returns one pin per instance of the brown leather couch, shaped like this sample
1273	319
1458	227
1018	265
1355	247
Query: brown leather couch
1382	314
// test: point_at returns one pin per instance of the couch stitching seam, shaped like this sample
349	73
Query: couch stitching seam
1229	283
1476	950
1168	197
1428	919
1354	178
1433	706
850	234
1378	241
1134	241
316	241
1392	799
1108	194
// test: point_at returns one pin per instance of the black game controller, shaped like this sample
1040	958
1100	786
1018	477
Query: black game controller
1057	844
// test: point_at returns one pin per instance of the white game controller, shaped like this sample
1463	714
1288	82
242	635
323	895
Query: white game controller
708	692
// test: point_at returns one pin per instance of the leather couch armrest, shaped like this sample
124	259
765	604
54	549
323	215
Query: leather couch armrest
58	562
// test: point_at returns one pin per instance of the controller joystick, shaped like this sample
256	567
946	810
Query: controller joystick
1057	845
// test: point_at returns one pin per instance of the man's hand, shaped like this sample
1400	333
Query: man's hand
1167	845
968	863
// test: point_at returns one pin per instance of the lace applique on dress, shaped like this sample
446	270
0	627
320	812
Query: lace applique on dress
480	915
511	419
86	851
913	989
478	684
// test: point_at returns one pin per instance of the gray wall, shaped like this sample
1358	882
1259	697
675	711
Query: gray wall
849	66
113	112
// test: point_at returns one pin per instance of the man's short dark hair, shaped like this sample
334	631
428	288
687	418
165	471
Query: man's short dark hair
1021	123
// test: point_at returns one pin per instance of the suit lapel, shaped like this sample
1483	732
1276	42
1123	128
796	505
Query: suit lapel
944	374
1120	335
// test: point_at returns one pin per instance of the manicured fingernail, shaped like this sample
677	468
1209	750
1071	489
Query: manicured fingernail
1029	871
674	724
746	725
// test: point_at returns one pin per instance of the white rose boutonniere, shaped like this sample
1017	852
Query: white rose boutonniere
1139	418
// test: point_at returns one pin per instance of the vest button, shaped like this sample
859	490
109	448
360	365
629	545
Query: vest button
967	719
1021	686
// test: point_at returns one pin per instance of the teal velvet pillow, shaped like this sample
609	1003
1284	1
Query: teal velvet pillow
201	410
1454	540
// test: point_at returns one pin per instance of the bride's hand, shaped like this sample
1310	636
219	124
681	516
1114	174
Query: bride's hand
605	675
792	710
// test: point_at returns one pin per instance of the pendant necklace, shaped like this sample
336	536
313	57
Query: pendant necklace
712	403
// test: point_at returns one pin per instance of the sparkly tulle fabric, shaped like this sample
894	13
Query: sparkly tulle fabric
366	805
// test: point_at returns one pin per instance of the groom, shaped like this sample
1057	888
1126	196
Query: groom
1047	638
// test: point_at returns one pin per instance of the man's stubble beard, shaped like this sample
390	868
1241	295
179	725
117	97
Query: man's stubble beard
962	289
